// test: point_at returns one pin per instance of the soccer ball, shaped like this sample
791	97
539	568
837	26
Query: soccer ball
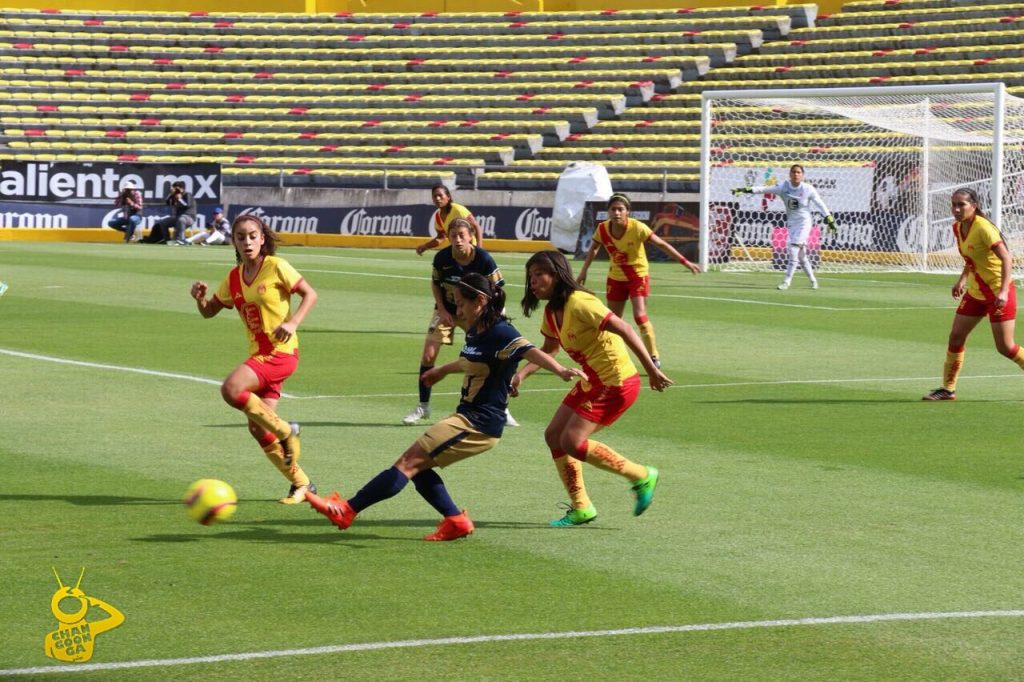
209	501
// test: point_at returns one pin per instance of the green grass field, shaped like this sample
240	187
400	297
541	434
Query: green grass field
802	478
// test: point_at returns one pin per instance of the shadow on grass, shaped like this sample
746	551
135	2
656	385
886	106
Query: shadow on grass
305	424
86	500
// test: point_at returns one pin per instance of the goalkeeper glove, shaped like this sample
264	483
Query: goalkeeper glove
831	222
736	191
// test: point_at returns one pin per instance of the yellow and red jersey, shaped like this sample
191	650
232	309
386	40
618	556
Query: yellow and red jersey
441	224
977	248
627	253
602	355
263	304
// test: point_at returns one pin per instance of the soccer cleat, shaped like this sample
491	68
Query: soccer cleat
940	394
783	286
509	419
451	528
814	284
291	445
421	412
575	517
339	511
297	493
644	489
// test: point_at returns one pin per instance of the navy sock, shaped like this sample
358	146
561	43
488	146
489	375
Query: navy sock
429	484
387	483
424	389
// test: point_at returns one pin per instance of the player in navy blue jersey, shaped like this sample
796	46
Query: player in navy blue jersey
450	265
488	362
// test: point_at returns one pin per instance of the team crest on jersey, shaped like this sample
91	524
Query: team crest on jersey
262	288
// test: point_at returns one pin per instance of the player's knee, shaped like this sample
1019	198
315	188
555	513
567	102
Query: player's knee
233	395
552	438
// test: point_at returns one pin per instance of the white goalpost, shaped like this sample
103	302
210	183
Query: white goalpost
885	160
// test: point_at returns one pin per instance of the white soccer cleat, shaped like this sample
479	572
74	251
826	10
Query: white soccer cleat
783	286
509	419
814	284
421	412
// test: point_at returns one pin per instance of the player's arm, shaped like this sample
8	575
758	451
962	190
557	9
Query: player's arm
286	329
477	230
961	282
208	307
427	246
550	349
671	252
542	360
1006	266
829	220
443	316
756	189
435	374
595	246
615	325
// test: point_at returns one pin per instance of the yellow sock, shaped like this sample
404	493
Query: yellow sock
647	336
257	410
1018	357
571	473
294	473
603	457
951	369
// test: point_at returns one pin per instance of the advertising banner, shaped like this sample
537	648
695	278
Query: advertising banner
98	184
677	222
61	216
497	222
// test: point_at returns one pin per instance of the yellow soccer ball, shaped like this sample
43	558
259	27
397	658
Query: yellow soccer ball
209	501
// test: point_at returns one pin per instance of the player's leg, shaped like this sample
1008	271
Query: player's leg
962	327
570	471
805	263
240	391
437	335
792	259
645	326
597	413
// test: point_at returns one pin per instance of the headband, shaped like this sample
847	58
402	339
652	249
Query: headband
474	289
619	197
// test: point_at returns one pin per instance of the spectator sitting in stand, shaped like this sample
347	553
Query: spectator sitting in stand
217	232
130	203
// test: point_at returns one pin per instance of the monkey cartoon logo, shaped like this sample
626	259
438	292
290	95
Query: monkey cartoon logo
74	639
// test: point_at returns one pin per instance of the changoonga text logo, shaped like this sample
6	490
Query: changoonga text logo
80	620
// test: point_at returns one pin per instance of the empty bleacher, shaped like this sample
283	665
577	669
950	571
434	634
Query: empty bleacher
505	100
336	92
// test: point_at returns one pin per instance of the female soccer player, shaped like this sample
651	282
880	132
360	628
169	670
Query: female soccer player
798	197
985	287
450	265
260	288
624	238
488	360
447	212
596	338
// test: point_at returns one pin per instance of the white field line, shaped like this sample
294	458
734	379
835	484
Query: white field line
722	299
521	637
364	396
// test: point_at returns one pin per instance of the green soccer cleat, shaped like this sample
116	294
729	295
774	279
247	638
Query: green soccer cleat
644	489
575	517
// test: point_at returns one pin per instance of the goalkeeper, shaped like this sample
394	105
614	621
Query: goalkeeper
798	197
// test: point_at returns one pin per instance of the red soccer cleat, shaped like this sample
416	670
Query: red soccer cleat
451	528
339	511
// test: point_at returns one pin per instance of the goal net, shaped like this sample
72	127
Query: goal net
885	161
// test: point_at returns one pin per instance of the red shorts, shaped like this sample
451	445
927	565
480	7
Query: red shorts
272	370
603	404
972	307
623	291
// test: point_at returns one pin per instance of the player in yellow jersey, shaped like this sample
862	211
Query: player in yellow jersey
628	273
447	212
985	287
597	339
260	288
